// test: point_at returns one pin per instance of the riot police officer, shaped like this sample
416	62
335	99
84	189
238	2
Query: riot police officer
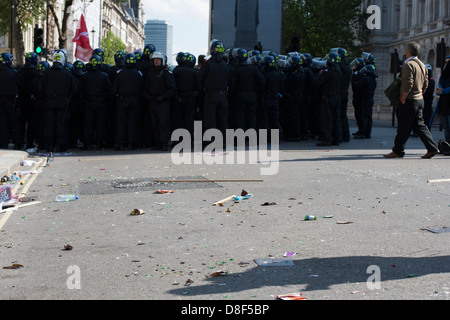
77	107
57	85
346	80
146	138
128	91
23	117
159	89
39	106
357	64
294	85
366	85
273	89
95	91
329	86
10	81
248	85
215	79
185	106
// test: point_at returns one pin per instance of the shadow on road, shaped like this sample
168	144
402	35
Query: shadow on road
321	274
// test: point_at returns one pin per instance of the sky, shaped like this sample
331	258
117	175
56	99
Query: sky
190	21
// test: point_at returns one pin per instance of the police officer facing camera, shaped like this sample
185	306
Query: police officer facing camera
159	89
127	90
10	81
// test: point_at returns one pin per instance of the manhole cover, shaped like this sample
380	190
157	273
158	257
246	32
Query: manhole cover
91	187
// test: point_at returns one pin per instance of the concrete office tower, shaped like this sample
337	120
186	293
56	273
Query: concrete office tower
244	23
160	34
246	17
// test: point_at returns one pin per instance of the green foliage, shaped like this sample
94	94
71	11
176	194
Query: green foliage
324	24
110	45
27	11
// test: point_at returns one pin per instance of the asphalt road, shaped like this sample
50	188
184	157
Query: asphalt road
367	243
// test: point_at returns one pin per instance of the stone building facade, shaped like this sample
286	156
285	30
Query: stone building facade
424	21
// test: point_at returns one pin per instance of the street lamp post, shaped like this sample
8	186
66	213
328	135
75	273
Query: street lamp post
93	34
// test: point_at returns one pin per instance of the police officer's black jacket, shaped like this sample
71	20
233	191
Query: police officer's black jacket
160	85
273	83
346	76
365	85
10	81
28	73
248	78
57	82
215	75
186	79
95	84
329	82
295	82
129	82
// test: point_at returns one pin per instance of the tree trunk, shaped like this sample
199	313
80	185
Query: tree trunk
18	46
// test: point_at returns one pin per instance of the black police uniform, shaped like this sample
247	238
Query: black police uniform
10	81
146	138
57	86
95	91
25	114
128	88
346	80
366	86
248	85
76	112
294	86
38	130
329	86
215	79
185	106
305	105
273	89
357	100
159	89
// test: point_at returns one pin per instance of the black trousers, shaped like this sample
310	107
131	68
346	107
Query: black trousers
95	127
344	117
331	126
410	117
160	115
246	107
127	117
183	116
56	129
366	117
6	110
215	110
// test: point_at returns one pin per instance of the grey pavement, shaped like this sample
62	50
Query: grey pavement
10	161
372	215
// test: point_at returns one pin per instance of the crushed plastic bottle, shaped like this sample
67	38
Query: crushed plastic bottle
310	218
66	197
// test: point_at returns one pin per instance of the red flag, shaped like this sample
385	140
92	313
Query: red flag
84	50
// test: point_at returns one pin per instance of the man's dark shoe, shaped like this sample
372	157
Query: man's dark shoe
392	155
429	155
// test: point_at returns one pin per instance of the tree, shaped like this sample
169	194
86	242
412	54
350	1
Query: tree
319	25
110	45
25	13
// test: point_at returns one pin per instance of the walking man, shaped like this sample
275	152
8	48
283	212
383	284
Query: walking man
410	112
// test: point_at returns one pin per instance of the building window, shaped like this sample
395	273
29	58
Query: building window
422	12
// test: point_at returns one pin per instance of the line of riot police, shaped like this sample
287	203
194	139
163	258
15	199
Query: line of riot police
139	100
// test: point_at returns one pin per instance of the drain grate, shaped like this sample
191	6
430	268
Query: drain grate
91	187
